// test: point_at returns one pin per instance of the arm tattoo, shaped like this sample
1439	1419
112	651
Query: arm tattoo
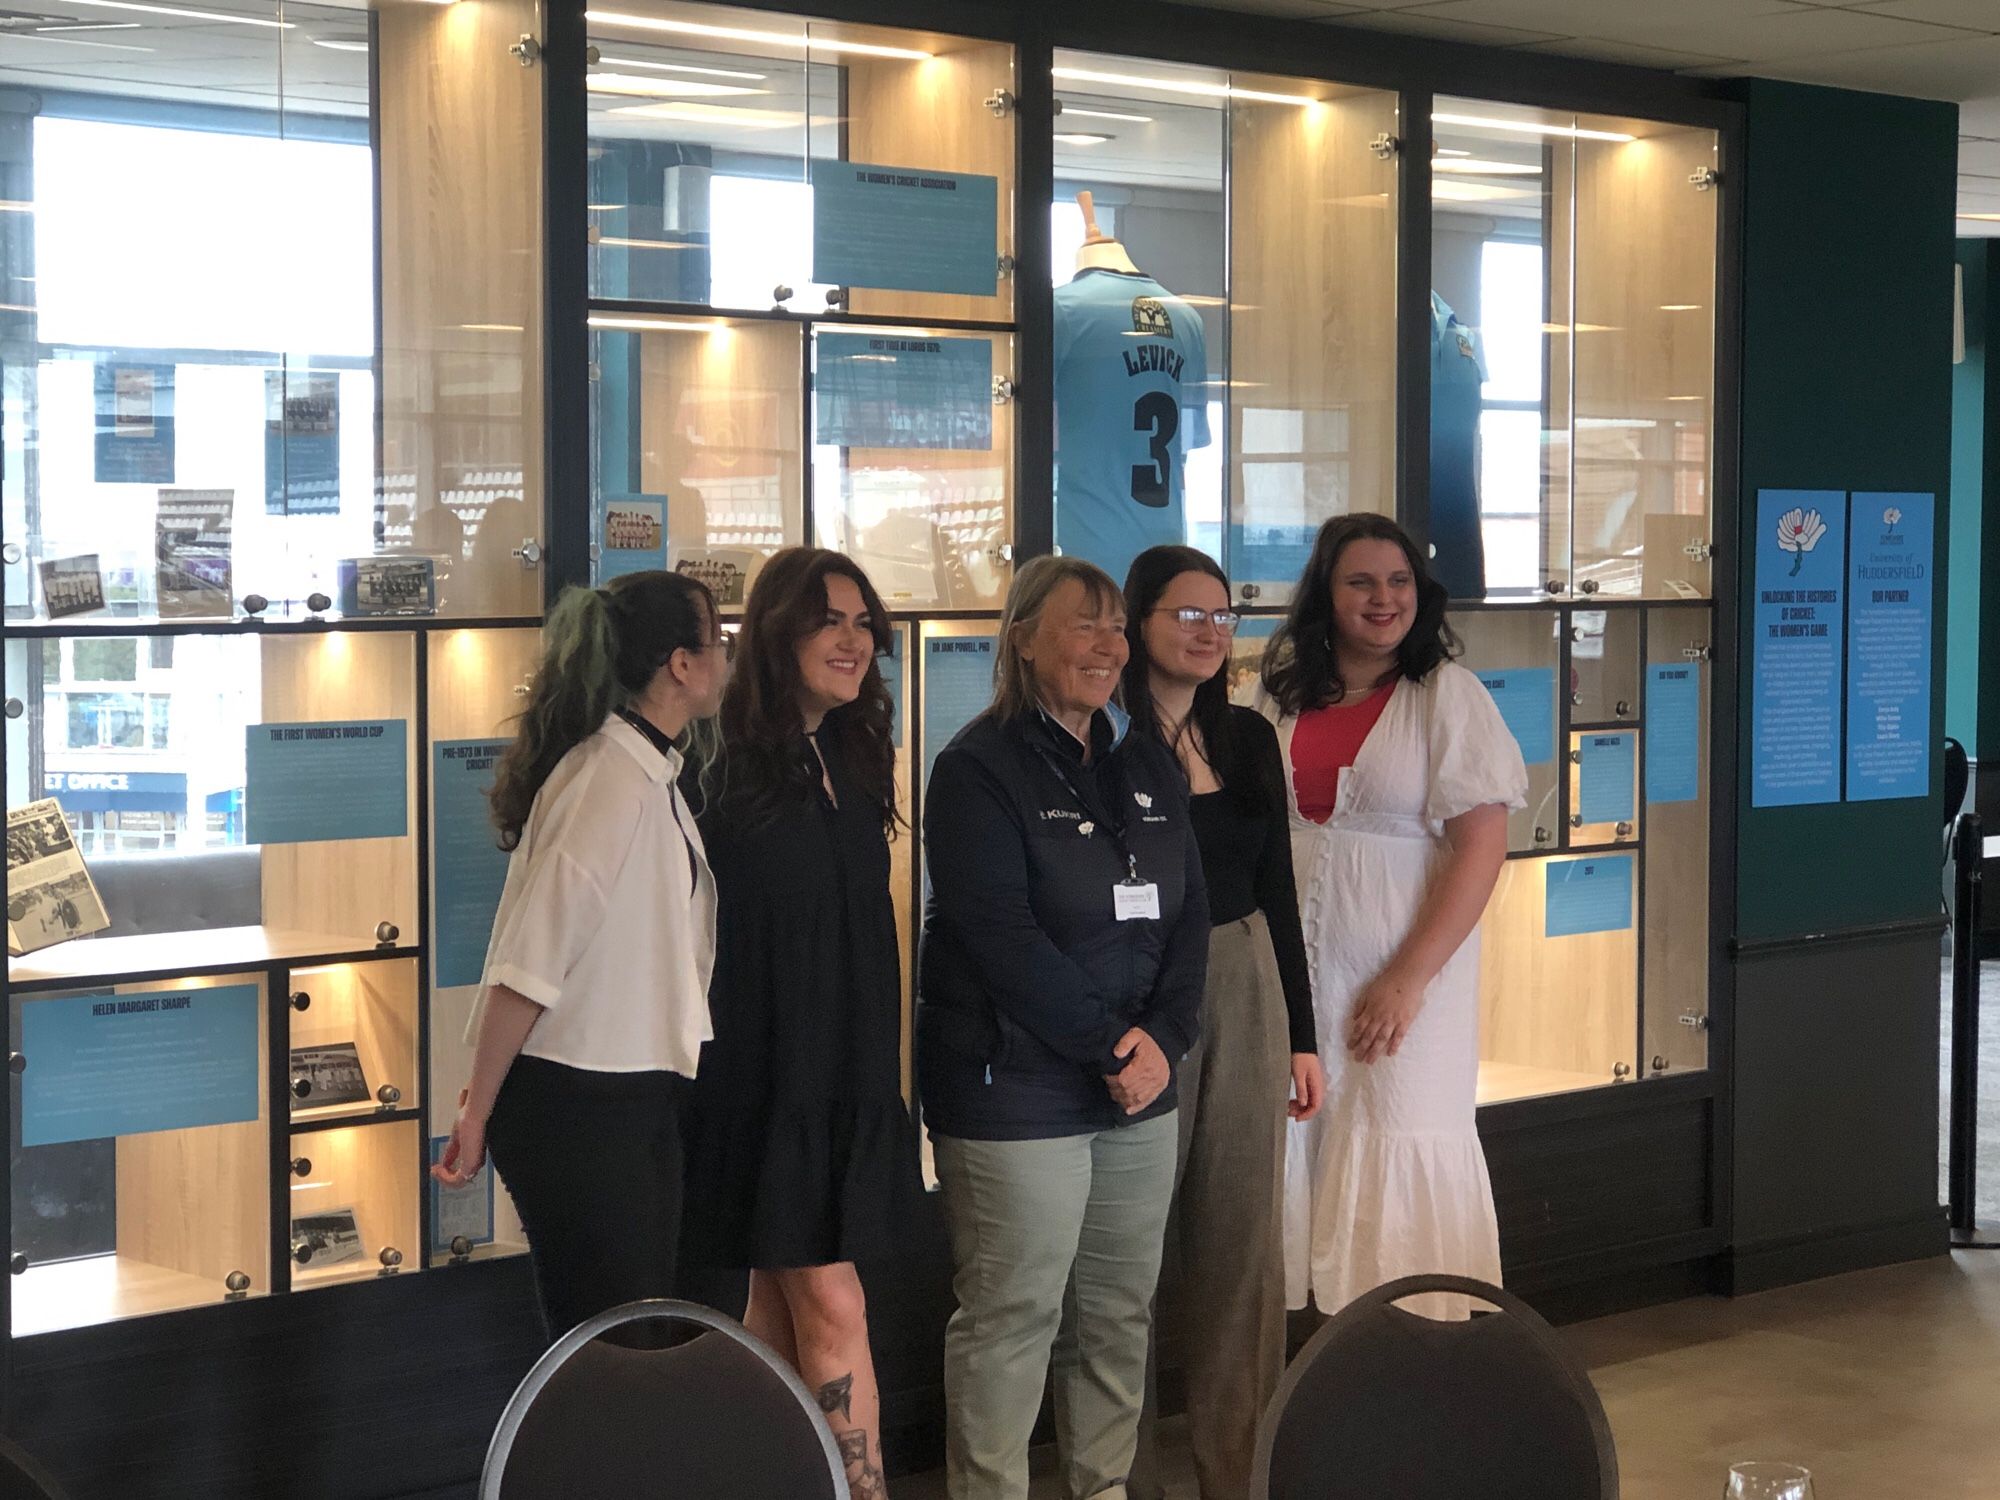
864	1480
836	1395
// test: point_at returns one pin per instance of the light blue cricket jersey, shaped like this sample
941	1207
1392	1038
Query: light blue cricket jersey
1131	400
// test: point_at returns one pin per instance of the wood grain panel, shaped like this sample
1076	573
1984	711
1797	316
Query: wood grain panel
343	885
195	1202
371	1005
1312	249
1677	878
721	427
460	167
905	113
1567	1003
373	1170
1645	349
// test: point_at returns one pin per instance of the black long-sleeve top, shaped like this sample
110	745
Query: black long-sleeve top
1246	853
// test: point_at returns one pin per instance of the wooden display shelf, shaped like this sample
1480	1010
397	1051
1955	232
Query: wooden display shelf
341	1116
102	1289
368	1268
171	955
265	624
1500	1082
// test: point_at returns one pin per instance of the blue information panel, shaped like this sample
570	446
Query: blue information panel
1588	895
135	424
1673	733
459	1212
1795	682
1607	768
1526	698
301	444
878	390
1889	646
905	228
470	867
335	780
958	686
634	528
891	664
108	1065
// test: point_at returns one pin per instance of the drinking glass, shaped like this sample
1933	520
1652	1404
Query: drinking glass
1768	1482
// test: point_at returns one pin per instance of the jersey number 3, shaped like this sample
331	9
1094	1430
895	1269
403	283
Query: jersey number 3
1159	416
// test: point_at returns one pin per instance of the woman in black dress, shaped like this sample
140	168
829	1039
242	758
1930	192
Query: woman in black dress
803	1158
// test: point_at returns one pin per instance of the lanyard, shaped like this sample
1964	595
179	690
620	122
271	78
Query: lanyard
1114	821
662	744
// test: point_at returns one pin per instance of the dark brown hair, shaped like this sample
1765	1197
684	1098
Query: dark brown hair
600	649
764	761
1299	670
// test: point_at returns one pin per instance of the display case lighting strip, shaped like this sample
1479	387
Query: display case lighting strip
1530	127
1077	111
1180	86
192	15
652	325
660	67
747	34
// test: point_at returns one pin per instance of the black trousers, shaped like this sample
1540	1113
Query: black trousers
593	1162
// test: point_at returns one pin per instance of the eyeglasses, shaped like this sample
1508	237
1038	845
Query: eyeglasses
726	644
1191	618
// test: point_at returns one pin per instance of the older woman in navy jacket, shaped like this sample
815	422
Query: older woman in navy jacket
1063	964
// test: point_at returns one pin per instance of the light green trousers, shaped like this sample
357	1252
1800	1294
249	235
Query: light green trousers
1056	1253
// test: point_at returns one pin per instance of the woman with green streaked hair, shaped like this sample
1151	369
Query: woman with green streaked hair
594	1000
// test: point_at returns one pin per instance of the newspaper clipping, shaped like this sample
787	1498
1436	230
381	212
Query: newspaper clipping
50	898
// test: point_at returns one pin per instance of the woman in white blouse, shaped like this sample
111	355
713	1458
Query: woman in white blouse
1400	772
594	1001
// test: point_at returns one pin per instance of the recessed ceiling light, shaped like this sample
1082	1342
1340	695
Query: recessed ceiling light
665	88
1473	166
1451	151
92	26
1982	218
1680	307
191	15
746	34
1180	86
623	242
1072	111
334	44
737	117
1081	138
1449	190
660	67
1530	127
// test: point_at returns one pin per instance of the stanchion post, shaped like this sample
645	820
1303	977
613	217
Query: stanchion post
1962	1172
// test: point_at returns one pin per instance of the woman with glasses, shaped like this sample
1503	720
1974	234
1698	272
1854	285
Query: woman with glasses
1225	1295
1401	773
594	1002
802	1155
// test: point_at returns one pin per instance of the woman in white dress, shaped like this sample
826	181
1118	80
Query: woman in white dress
1400	773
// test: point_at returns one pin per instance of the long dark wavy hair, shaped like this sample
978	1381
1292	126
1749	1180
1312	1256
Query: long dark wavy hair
764	762
1299	669
600	649
1153	571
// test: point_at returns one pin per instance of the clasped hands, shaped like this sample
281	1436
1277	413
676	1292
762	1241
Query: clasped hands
1145	1075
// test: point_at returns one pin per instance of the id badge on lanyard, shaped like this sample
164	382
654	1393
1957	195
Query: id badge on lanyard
1133	899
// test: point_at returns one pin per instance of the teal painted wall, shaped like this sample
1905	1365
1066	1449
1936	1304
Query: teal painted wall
1847	256
1969	456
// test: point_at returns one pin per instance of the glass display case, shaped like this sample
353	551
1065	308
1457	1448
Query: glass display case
1253	404
844	191
1572	341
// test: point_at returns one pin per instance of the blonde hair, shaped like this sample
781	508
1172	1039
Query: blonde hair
1014	691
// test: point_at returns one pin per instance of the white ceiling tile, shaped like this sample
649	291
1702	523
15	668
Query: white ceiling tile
1981	158
1416	23
1979	118
1961	69
1608	21
1979	15
1794	33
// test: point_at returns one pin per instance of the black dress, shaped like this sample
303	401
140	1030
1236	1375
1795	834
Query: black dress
801	1150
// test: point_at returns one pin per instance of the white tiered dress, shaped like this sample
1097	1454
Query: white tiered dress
1389	1180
